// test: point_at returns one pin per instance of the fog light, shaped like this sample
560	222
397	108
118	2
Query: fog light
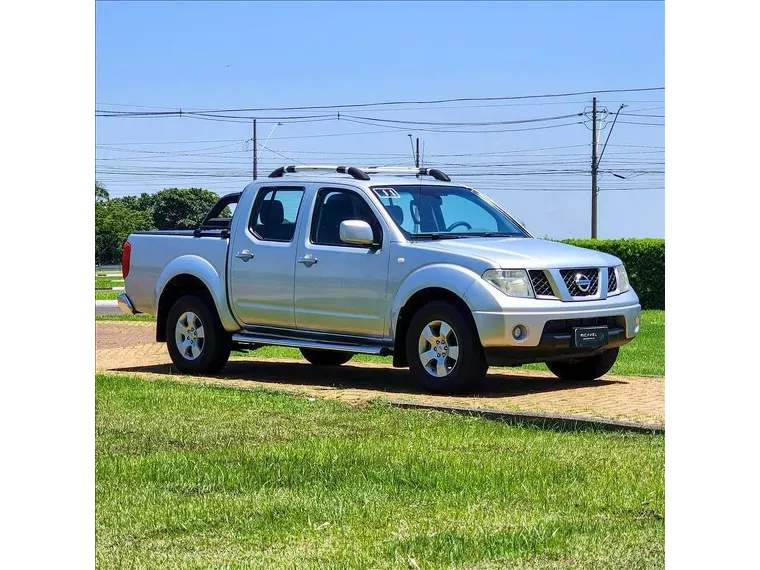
636	323
519	332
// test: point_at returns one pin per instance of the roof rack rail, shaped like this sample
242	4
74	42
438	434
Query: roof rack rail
352	170
363	173
434	172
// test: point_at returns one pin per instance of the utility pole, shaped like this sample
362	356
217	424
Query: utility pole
255	154
594	169
417	156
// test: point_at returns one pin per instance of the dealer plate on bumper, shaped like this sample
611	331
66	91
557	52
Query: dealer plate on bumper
591	337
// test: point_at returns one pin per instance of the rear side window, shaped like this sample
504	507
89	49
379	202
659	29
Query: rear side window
275	213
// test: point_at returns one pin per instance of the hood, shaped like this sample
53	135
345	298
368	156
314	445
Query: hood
522	253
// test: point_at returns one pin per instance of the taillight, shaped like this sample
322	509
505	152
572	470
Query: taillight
125	255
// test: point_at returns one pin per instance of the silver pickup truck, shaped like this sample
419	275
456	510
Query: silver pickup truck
389	261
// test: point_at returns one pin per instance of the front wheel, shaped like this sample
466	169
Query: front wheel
443	350
196	339
584	369
326	357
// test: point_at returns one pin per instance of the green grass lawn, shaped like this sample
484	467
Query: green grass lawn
108	283
101	295
645	356
125	317
191	476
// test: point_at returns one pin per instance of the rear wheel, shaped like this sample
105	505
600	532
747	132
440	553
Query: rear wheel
583	369
196	339
326	357
444	351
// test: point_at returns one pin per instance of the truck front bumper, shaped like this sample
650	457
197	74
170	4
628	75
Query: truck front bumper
547	327
125	304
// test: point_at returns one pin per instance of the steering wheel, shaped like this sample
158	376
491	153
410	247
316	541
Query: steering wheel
455	224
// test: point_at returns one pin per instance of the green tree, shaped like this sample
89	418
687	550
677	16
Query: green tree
142	203
182	208
114	221
101	194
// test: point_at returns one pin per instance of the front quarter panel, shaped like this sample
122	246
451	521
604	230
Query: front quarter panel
454	278
213	280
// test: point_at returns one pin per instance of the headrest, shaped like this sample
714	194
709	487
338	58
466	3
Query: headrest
272	213
338	199
396	212
337	206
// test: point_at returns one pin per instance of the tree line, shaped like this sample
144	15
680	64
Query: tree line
168	209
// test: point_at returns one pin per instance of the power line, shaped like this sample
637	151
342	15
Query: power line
236	185
247	120
117	145
510	170
417	108
641	115
374	120
334	135
472	131
370	121
468	124
387	103
464	172
170	142
641	123
194	150
417	125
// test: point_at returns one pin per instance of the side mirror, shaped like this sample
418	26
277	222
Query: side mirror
357	232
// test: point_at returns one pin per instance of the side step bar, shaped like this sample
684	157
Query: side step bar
247	338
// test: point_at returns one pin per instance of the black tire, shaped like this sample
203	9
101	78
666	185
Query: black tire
584	369
326	357
468	371
216	346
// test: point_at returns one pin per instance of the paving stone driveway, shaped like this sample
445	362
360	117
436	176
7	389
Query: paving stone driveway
129	347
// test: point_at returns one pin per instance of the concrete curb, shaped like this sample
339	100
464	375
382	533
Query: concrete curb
537	418
107	307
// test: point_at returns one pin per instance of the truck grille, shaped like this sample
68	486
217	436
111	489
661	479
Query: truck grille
541	284
568	276
611	280
565	326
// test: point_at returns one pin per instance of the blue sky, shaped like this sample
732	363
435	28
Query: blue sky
203	55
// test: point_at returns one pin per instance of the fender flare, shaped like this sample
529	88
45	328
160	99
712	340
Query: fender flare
201	269
454	278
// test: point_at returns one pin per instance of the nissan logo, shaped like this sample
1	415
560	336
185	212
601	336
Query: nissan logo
583	282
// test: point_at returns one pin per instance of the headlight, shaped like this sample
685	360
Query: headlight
622	279
513	282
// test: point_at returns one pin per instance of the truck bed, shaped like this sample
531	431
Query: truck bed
153	251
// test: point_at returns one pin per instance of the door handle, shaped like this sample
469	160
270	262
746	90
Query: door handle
245	255
308	260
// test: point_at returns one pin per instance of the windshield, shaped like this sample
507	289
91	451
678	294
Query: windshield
438	212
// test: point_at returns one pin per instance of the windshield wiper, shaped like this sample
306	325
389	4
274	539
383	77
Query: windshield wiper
437	236
495	234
